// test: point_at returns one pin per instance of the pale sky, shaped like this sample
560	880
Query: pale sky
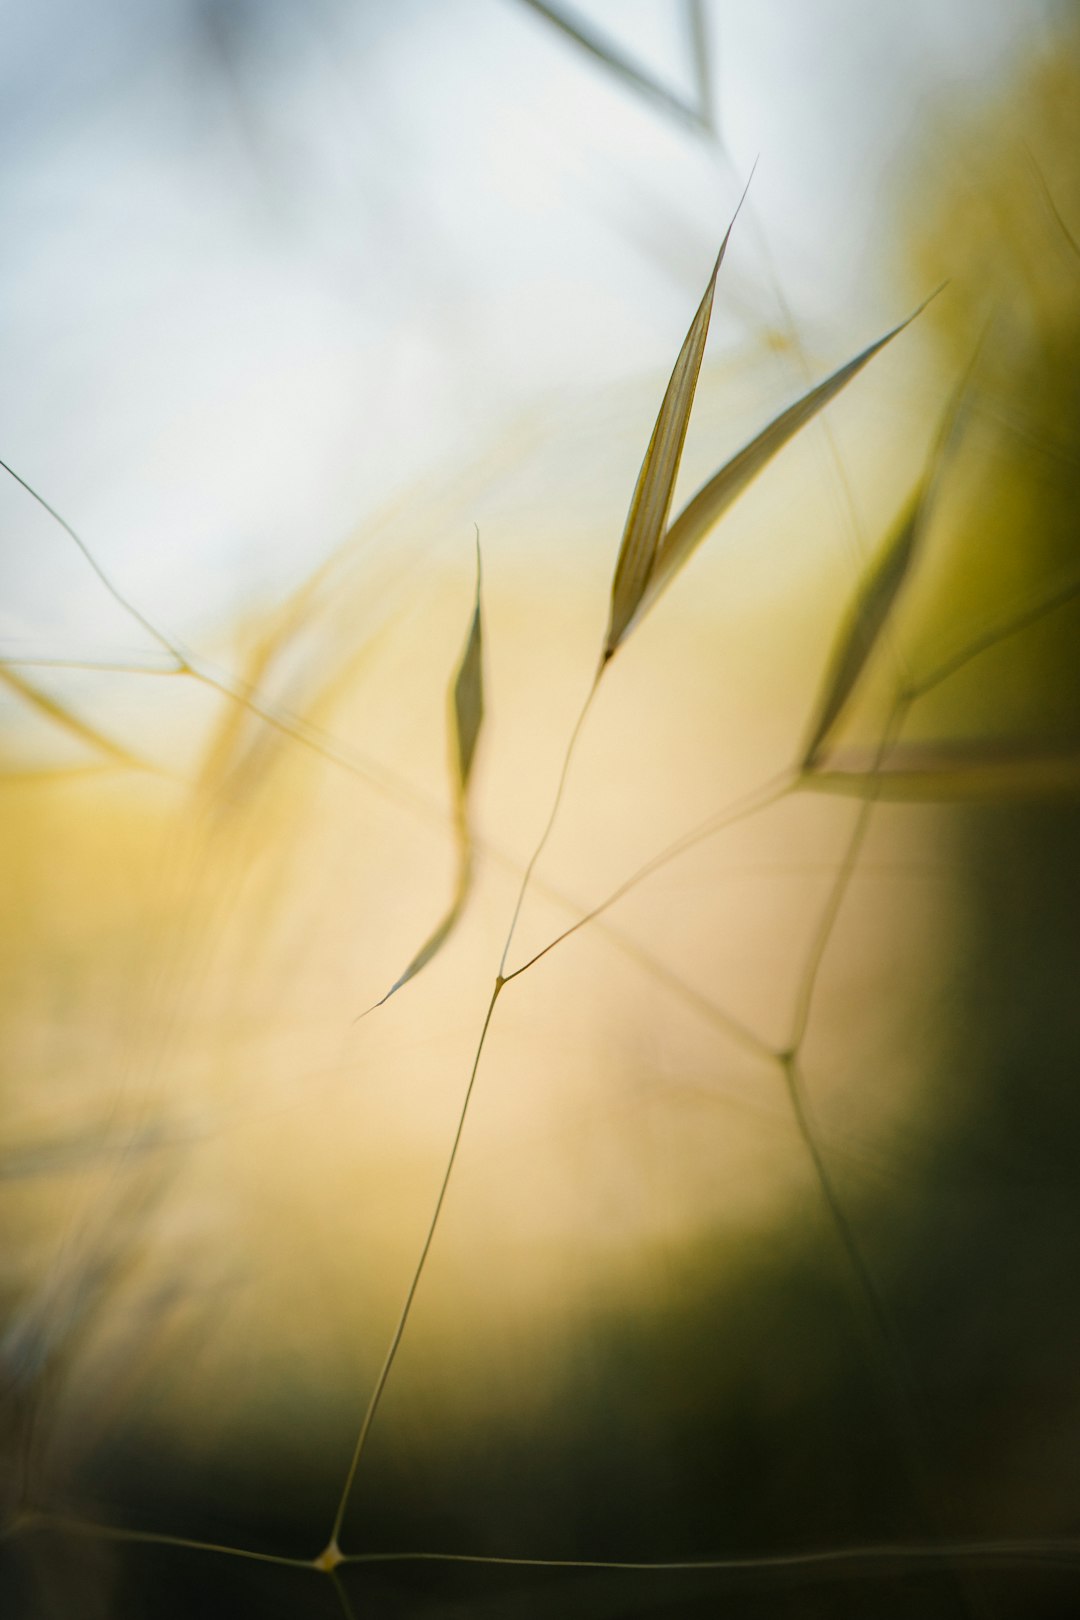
266	264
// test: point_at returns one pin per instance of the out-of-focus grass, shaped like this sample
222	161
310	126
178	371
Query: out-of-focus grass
685	1300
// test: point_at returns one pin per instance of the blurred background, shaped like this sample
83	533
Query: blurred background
296	298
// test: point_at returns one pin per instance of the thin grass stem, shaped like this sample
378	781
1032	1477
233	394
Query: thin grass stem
1048	199
342	1595
554	811
805	993
402	1322
912	1427
604	50
747	805
992	637
92	666
64	1525
113	590
874	1558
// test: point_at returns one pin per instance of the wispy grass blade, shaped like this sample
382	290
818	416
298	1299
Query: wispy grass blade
864	626
435	941
957	770
723	489
468	699
698	30
62	773
603	50
1050	204
878	595
466	722
651	503
64	717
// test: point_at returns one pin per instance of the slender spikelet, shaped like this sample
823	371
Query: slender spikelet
865	623
466	721
655	487
877	597
724	487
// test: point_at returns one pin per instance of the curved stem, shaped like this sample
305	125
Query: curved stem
759	799
402	1322
555	803
874	1557
63	1525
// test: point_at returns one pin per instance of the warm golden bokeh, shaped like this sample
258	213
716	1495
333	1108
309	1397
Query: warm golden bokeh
740	1145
